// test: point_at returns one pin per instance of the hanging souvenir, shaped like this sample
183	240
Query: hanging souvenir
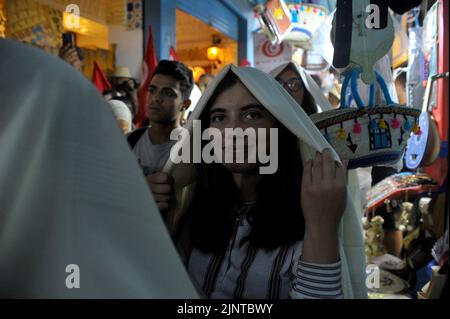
358	39
364	135
275	20
306	18
424	148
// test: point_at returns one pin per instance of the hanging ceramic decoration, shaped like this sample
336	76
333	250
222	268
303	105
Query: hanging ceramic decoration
313	62
306	19
371	134
275	20
358	40
427	144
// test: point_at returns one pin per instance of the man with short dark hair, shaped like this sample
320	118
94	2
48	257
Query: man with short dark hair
169	92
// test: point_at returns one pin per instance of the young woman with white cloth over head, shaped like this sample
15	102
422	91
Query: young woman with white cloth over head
292	234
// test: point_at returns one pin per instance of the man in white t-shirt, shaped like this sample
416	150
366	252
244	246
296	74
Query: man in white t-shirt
169	92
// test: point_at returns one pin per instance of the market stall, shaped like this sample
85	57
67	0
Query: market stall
392	122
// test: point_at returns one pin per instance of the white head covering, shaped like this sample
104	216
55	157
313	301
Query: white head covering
194	97
310	85
121	112
283	107
322	105
72	192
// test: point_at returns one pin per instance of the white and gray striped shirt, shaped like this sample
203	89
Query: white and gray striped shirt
243	272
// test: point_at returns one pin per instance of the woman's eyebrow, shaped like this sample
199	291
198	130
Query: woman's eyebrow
243	108
218	110
169	89
252	105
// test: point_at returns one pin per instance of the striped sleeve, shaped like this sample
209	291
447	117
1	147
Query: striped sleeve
317	281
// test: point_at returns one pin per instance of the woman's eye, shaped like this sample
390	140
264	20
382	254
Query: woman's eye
152	90
252	115
217	118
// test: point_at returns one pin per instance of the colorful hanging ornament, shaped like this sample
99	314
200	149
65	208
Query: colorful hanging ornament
341	133
395	123
373	124
407	125
415	128
382	123
357	127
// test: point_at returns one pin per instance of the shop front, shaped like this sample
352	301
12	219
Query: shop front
206	35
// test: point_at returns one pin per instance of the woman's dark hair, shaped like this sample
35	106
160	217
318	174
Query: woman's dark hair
180	72
276	217
309	104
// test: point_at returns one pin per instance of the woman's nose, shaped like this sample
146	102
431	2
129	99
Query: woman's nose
157	97
234	122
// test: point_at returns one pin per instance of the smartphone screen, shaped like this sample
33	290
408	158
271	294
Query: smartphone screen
68	39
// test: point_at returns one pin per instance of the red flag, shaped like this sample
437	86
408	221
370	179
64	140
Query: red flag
100	80
173	55
148	66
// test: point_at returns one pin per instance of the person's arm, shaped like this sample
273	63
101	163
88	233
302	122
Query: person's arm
323	201
161	186
323	196
71	56
317	281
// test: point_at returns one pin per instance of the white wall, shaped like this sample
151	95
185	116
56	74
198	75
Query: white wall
129	51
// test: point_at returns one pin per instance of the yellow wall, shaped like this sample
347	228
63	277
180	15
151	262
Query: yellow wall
30	22
105	60
2	19
96	10
102	11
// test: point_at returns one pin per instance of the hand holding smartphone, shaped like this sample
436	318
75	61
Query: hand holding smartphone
69	52
68	40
